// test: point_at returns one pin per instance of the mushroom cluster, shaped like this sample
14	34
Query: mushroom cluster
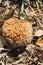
17	32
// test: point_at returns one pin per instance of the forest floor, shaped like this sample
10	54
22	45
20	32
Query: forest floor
32	11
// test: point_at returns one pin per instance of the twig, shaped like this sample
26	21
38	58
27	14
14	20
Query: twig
3	49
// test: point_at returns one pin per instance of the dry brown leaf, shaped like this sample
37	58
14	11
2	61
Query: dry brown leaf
39	42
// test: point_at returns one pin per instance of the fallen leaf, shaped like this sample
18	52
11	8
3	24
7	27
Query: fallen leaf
39	33
39	42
